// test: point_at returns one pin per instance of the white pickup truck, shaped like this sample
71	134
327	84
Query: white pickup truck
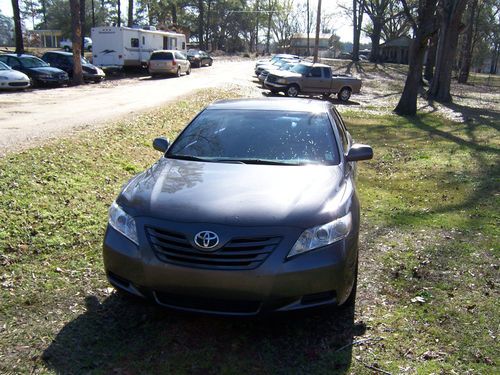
67	45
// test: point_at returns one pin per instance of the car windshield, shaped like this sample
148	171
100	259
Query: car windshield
33	62
301	69
4	66
258	137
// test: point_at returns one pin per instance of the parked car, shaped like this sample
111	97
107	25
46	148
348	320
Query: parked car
309	78
168	62
64	61
285	66
67	44
199	58
275	65
38	70
253	208
276	58
12	79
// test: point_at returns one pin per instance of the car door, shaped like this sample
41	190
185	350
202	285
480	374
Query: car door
182	60
314	82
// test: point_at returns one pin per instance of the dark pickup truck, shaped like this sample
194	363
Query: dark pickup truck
309	78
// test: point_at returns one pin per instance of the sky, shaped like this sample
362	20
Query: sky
342	26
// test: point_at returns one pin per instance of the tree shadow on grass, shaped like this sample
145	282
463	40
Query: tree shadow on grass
124	335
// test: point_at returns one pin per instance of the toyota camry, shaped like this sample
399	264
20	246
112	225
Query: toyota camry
252	209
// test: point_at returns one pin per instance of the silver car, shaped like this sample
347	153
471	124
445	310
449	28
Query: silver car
169	62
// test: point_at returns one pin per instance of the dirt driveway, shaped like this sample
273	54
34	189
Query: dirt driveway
27	118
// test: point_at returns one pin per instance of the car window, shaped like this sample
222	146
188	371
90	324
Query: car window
4	66
180	56
316	72
282	136
162	56
13	62
32	62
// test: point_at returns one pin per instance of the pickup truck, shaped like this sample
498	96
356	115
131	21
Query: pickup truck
67	45
309	78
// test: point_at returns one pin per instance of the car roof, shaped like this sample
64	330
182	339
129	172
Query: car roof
60	53
165	50
16	55
308	63
273	104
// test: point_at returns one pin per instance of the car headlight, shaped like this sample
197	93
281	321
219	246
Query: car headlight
281	80
322	235
123	222
44	76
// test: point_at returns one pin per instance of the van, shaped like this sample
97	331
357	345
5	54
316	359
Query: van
169	62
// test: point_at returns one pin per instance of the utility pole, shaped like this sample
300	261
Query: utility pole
318	24
93	14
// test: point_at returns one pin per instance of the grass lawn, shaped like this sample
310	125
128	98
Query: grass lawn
428	299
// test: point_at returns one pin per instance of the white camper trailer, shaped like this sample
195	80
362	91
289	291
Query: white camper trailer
118	47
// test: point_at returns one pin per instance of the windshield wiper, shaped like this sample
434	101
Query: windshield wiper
256	161
188	157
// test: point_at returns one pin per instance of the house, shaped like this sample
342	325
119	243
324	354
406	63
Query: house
298	43
396	50
45	38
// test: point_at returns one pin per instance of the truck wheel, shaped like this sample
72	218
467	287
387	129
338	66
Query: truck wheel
344	94
67	49
292	91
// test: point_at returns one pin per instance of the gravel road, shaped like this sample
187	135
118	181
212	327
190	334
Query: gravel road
27	118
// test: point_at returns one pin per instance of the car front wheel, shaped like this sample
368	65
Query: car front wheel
292	91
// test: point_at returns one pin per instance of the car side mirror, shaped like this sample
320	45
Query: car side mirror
161	144
359	152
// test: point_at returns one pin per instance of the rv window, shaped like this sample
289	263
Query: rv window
183	45
134	42
143	41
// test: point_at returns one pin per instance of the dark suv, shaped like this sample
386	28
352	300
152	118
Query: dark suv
64	61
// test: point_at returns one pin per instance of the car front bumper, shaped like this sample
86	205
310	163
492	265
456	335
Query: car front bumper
274	86
321	277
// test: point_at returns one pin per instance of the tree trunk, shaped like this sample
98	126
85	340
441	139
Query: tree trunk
82	25
375	37
173	10
423	29
119	13
494	59
269	18
207	29
130	18
76	29
17	27
357	21
200	23
431	58
467	48
446	50
257	28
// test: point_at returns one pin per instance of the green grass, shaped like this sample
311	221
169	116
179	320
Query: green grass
429	230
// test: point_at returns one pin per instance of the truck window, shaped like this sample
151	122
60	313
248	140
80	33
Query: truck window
327	72
316	72
134	42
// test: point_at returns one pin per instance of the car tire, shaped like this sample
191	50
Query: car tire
89	49
292	91
67	49
178	74
351	300
210	63
344	94
188	72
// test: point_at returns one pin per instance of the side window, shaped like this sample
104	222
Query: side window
316	72
134	42
13	62
327	72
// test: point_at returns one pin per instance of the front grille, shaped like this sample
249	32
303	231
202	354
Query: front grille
240	253
271	78
18	84
208	304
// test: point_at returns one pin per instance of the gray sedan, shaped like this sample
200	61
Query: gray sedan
251	209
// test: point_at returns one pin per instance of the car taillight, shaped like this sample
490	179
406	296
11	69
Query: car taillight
173	62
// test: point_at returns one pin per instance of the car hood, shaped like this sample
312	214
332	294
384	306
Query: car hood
286	74
13	75
236	194
46	70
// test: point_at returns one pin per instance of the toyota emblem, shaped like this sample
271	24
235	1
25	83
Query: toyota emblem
206	240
